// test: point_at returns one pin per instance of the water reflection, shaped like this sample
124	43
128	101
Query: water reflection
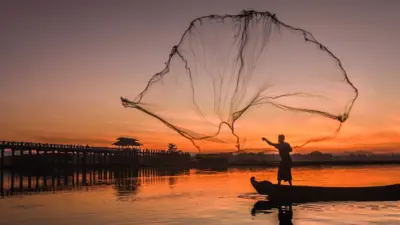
285	211
125	182
167	196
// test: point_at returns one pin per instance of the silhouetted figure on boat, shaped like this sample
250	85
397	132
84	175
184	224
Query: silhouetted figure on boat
285	166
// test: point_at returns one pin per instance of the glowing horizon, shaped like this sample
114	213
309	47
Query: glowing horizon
65	67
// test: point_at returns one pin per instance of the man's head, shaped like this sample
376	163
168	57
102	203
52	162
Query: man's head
281	138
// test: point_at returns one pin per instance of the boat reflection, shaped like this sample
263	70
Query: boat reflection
285	211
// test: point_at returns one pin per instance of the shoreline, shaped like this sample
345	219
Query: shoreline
295	164
320	163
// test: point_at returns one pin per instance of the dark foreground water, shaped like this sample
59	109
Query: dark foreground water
186	197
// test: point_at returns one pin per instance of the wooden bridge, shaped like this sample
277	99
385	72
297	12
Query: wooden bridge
40	155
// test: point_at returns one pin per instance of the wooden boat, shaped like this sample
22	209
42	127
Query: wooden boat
302	194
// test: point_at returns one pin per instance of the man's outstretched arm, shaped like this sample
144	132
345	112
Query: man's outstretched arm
270	143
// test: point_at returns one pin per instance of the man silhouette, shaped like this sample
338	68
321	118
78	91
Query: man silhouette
285	166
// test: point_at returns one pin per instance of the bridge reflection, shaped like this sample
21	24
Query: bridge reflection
126	182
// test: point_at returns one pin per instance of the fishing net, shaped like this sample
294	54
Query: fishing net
233	79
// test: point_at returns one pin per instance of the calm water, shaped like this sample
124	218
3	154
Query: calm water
187	197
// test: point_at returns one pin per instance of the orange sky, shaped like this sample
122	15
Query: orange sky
64	68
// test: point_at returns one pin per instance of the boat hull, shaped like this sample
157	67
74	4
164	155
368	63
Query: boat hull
300	194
